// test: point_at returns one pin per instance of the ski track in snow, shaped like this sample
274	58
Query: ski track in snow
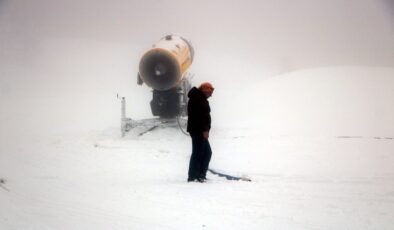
100	181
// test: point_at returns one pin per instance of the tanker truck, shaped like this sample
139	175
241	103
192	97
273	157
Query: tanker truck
163	68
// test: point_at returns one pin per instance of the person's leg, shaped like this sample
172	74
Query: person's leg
196	157
206	158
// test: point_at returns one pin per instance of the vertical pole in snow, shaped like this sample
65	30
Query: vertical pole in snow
123	117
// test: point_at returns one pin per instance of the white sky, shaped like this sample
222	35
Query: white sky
291	34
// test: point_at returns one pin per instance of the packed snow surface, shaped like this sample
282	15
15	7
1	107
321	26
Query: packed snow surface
317	144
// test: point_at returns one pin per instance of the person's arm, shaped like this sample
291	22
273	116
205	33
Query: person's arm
206	120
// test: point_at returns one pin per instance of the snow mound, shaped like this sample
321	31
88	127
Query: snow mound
342	101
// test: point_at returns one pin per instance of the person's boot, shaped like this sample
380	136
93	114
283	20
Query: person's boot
203	177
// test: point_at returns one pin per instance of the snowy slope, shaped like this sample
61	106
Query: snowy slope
318	145
324	101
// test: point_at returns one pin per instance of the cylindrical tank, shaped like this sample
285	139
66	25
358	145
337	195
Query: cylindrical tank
163	66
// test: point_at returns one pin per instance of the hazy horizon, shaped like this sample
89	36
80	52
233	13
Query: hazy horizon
283	35
62	56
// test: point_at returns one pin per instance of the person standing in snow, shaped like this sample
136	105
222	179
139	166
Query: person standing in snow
199	125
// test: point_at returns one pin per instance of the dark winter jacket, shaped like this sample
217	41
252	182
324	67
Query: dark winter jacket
198	109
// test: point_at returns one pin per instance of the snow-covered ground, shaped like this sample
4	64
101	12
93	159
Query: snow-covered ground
317	144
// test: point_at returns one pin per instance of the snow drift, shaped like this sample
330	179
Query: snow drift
344	101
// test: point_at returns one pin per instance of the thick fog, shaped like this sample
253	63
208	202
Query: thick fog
66	60
303	105
289	34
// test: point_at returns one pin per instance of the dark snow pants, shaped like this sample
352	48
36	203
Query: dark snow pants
199	160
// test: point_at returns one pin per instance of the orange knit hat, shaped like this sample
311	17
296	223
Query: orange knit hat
206	85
